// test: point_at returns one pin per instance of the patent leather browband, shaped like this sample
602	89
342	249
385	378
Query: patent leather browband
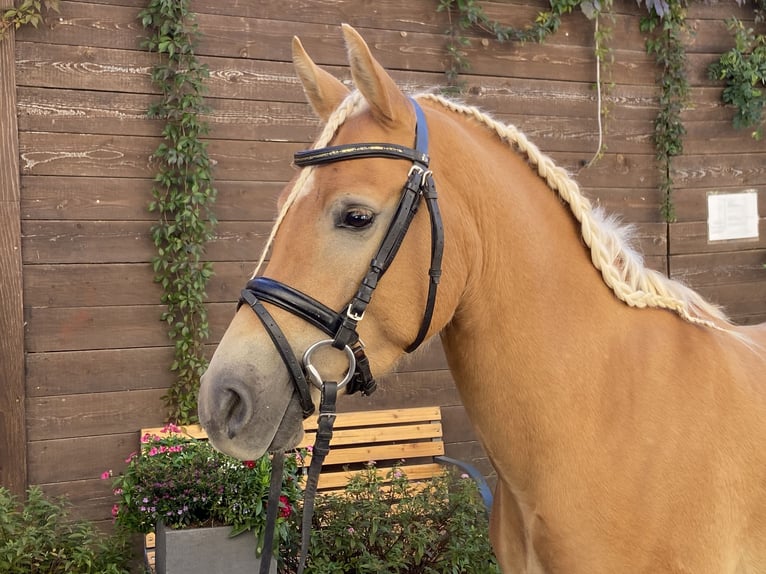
358	151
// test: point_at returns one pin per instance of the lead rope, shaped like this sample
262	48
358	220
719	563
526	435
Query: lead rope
318	454
272	506
319	451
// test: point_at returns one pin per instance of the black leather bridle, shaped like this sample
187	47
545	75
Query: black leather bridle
342	326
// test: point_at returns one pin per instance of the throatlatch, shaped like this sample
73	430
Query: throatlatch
342	326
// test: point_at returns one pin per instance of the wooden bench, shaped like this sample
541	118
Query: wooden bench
411	438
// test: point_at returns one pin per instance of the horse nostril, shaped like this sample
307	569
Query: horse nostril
237	411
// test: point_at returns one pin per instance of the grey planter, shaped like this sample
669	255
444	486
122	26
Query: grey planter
206	551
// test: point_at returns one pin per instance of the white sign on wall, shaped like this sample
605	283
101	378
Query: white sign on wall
732	215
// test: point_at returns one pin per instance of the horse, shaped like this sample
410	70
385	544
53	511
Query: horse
624	414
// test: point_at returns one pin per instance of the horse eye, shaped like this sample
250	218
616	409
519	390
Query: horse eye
357	218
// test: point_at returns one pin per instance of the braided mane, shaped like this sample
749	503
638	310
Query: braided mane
621	267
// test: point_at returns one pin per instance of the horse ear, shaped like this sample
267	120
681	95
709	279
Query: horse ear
323	90
389	105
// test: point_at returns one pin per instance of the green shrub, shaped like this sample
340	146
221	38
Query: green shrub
384	524
39	537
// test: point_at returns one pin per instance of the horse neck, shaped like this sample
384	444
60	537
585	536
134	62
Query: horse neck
534	312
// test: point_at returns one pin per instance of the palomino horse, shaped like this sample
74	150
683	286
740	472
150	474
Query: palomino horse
625	416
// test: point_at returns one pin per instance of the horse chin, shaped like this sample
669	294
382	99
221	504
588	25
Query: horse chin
290	431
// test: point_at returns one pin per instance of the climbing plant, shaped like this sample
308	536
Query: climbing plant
664	26
665	41
743	68
183	196
28	12
470	14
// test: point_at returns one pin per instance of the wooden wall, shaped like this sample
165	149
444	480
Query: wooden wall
97	355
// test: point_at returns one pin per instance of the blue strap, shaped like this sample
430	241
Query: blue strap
421	131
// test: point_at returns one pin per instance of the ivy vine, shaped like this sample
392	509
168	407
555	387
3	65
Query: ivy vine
665	42
743	68
28	12
471	15
665	24
183	196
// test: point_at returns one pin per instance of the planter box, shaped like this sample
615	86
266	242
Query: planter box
206	551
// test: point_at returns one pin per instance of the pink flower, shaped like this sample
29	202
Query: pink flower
153	451
106	474
132	456
170	427
115	511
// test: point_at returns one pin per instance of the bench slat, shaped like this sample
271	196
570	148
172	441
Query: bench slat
381	417
384	452
338	480
379	434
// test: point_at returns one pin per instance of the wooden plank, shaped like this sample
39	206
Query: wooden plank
69	416
103	284
91	328
740	300
84	328
707	134
89	498
127	199
565	134
414	389
529	97
729	170
13	460
87	285
691	237
102	112
632	205
373	435
339	479
384	452
98	371
116	156
723	268
80	458
457	425
635	171
51	241
378	417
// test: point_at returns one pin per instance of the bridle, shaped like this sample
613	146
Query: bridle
342	326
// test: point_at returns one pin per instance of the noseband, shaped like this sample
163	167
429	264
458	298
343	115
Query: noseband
342	326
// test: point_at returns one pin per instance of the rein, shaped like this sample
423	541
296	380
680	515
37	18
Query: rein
342	326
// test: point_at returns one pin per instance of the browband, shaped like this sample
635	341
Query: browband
358	151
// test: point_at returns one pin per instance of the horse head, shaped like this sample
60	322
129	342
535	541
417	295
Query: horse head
335	218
